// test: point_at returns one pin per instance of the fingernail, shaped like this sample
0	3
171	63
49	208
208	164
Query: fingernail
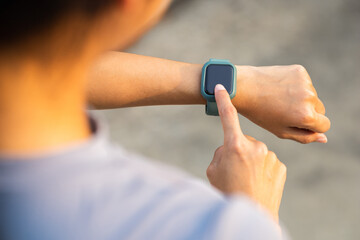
322	139
219	87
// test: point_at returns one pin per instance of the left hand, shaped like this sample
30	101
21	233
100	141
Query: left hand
282	100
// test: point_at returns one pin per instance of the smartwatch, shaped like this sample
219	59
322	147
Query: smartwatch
217	71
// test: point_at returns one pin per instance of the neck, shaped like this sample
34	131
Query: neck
41	106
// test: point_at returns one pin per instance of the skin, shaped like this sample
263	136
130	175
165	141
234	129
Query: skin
43	79
280	99
47	81
244	165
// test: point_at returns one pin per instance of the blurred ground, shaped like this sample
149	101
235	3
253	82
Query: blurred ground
322	193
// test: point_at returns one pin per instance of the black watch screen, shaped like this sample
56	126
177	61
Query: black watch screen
219	74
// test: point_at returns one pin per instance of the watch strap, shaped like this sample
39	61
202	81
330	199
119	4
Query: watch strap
219	60
211	109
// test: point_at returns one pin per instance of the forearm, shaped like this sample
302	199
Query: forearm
280	99
126	80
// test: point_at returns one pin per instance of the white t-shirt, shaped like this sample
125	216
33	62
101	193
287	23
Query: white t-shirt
96	190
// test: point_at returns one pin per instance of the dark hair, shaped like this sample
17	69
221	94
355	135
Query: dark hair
20	19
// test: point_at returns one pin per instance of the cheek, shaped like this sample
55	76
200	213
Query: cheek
155	9
141	16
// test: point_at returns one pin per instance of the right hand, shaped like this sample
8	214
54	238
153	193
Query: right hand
244	165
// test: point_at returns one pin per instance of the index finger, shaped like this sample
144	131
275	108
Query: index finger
228	115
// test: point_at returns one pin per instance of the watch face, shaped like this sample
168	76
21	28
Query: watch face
219	74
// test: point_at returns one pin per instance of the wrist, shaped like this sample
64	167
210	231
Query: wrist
241	99
243	92
189	85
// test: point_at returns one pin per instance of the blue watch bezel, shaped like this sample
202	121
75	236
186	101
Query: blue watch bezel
212	61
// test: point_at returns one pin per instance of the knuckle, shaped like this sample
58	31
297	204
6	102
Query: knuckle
271	158
235	147
299	68
303	75
328	125
304	96
320	107
210	171
282	168
261	149
309	93
272	155
218	151
307	117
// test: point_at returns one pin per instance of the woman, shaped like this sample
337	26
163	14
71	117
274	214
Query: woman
60	176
